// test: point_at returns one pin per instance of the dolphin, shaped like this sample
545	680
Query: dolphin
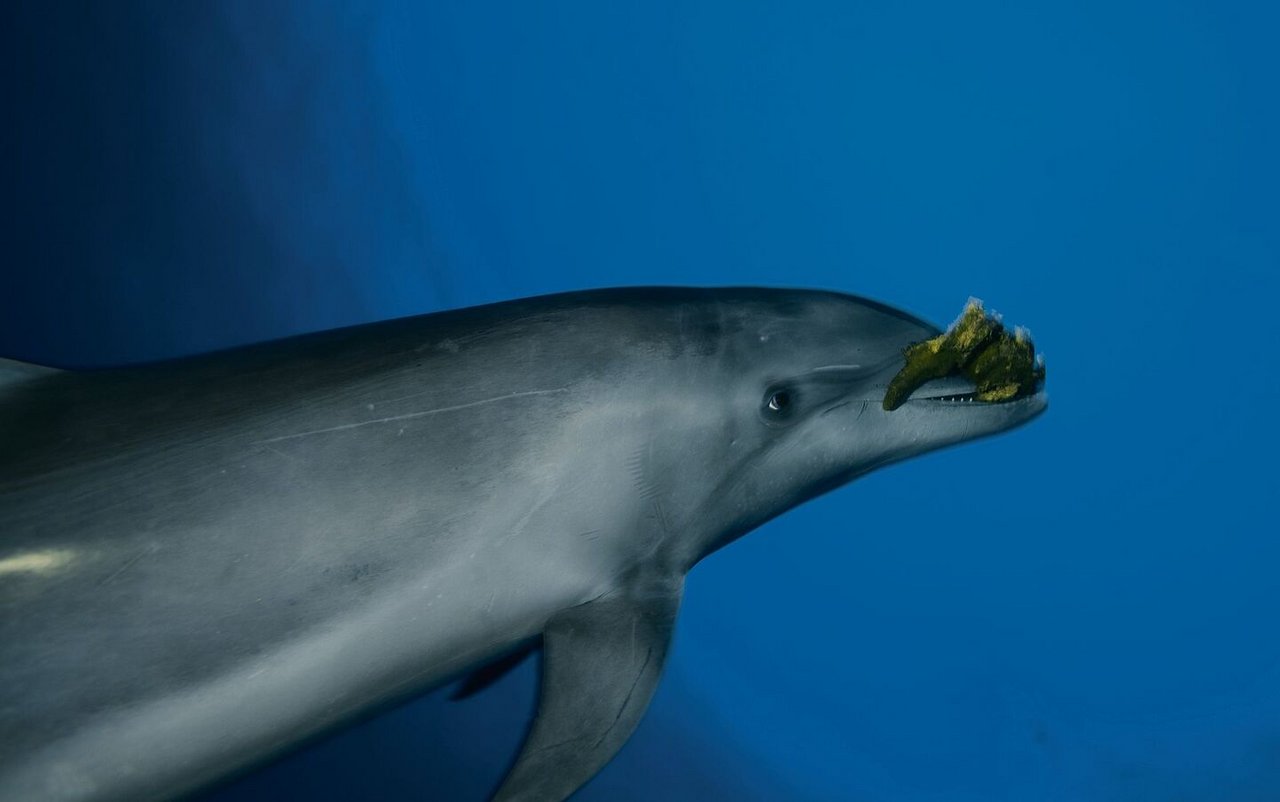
206	561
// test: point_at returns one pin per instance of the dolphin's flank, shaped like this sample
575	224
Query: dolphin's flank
205	562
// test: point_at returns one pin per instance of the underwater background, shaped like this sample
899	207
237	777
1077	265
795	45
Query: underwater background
1085	609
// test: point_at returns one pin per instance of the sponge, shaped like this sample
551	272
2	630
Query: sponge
1001	365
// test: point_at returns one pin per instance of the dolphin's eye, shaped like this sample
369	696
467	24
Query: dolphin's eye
780	405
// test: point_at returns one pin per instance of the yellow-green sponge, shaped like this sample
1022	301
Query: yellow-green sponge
1001	365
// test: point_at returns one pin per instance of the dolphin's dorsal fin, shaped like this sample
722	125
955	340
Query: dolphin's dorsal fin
600	664
12	372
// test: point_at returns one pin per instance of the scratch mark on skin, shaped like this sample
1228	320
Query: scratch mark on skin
559	744
661	512
410	415
835	368
648	655
281	453
127	565
864	409
636	464
834	407
546	494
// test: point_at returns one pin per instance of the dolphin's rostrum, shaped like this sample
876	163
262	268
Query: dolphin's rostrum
208	560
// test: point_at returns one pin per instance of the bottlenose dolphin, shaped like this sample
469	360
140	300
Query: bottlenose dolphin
208	560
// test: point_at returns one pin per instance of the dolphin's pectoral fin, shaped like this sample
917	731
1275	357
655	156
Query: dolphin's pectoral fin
600	664
486	676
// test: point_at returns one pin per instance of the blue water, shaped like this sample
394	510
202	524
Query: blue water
184	178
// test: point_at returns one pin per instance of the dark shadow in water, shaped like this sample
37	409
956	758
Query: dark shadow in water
184	176
437	749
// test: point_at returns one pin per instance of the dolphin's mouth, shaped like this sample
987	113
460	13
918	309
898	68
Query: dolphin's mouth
947	390
976	361
963	398
958	390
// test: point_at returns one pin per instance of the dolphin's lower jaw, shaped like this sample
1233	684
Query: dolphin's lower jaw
955	419
949	409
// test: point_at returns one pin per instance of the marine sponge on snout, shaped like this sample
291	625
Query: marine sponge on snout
1002	366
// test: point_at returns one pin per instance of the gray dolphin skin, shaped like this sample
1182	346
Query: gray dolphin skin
207	561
